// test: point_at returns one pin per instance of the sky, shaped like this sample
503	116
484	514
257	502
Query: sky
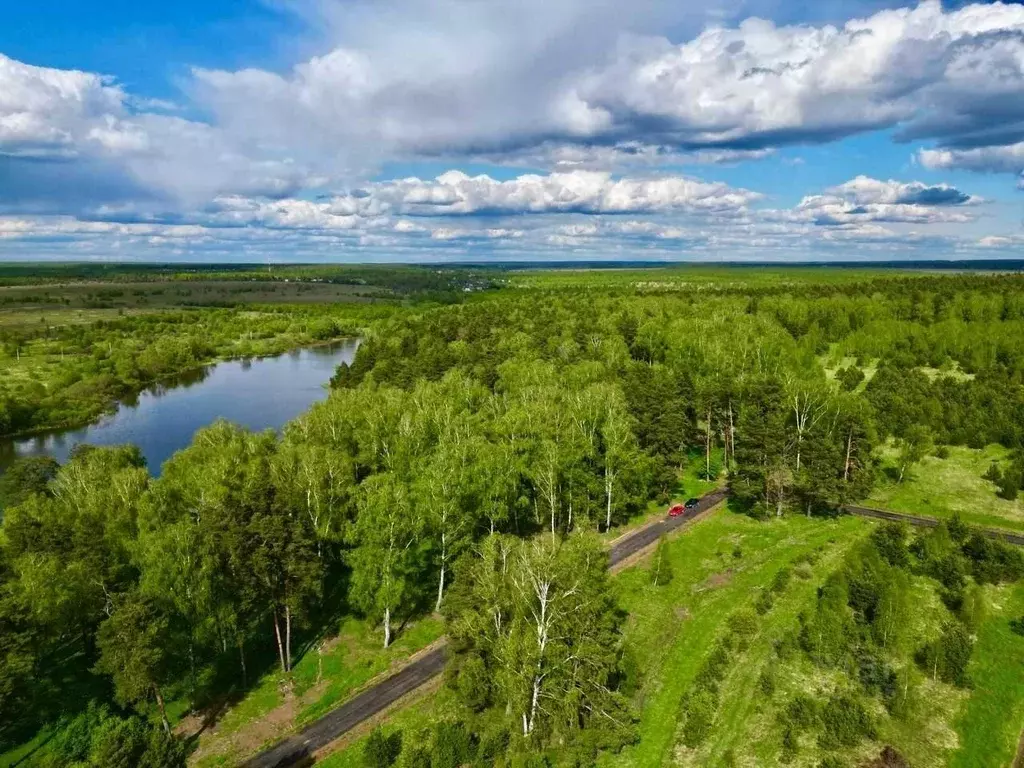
470	130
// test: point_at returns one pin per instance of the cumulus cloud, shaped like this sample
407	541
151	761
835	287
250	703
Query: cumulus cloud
1004	159
932	73
592	192
863	200
52	112
607	107
71	141
956	76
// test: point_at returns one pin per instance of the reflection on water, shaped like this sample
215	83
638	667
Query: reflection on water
257	393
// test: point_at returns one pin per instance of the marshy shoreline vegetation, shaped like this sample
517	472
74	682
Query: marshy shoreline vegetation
492	432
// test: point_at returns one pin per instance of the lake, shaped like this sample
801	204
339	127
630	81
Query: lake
257	393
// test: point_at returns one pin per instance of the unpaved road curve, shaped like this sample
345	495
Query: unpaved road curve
928	522
299	748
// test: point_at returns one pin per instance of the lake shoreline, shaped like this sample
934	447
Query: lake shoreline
116	404
257	393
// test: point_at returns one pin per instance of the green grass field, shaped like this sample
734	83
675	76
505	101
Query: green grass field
990	724
941	487
671	628
674	627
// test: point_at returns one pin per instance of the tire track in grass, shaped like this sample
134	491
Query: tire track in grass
990	723
738	697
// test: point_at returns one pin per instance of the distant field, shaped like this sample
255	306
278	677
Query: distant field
941	487
176	293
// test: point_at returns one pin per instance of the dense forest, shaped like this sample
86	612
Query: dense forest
468	462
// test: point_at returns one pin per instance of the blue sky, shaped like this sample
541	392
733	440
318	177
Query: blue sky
416	130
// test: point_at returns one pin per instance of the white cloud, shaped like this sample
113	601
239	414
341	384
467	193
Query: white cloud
994	159
592	192
602	99
862	200
562	78
1002	241
931	72
52	112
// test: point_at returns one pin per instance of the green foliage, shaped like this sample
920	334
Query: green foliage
914	445
699	708
765	602
549	411
850	378
132	651
452	745
781	580
382	750
26	477
890	540
946	658
743	623
802	712
828	632
97	738
521	608
845	722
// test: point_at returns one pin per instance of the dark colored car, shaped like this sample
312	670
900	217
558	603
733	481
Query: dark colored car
691	503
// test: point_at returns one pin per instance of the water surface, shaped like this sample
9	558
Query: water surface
259	393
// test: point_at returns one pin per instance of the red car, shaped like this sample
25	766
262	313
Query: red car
676	511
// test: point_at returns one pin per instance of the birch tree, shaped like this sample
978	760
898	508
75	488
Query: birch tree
387	562
542	618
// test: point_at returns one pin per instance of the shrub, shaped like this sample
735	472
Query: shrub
803	571
973	607
849	378
472	681
764	603
942	452
1017	626
845	722
947	657
493	745
802	711
743	622
712	670
381	751
790	745
766	683
415	757
891	542
958	530
875	675
781	580
700	716
1009	486
452	746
